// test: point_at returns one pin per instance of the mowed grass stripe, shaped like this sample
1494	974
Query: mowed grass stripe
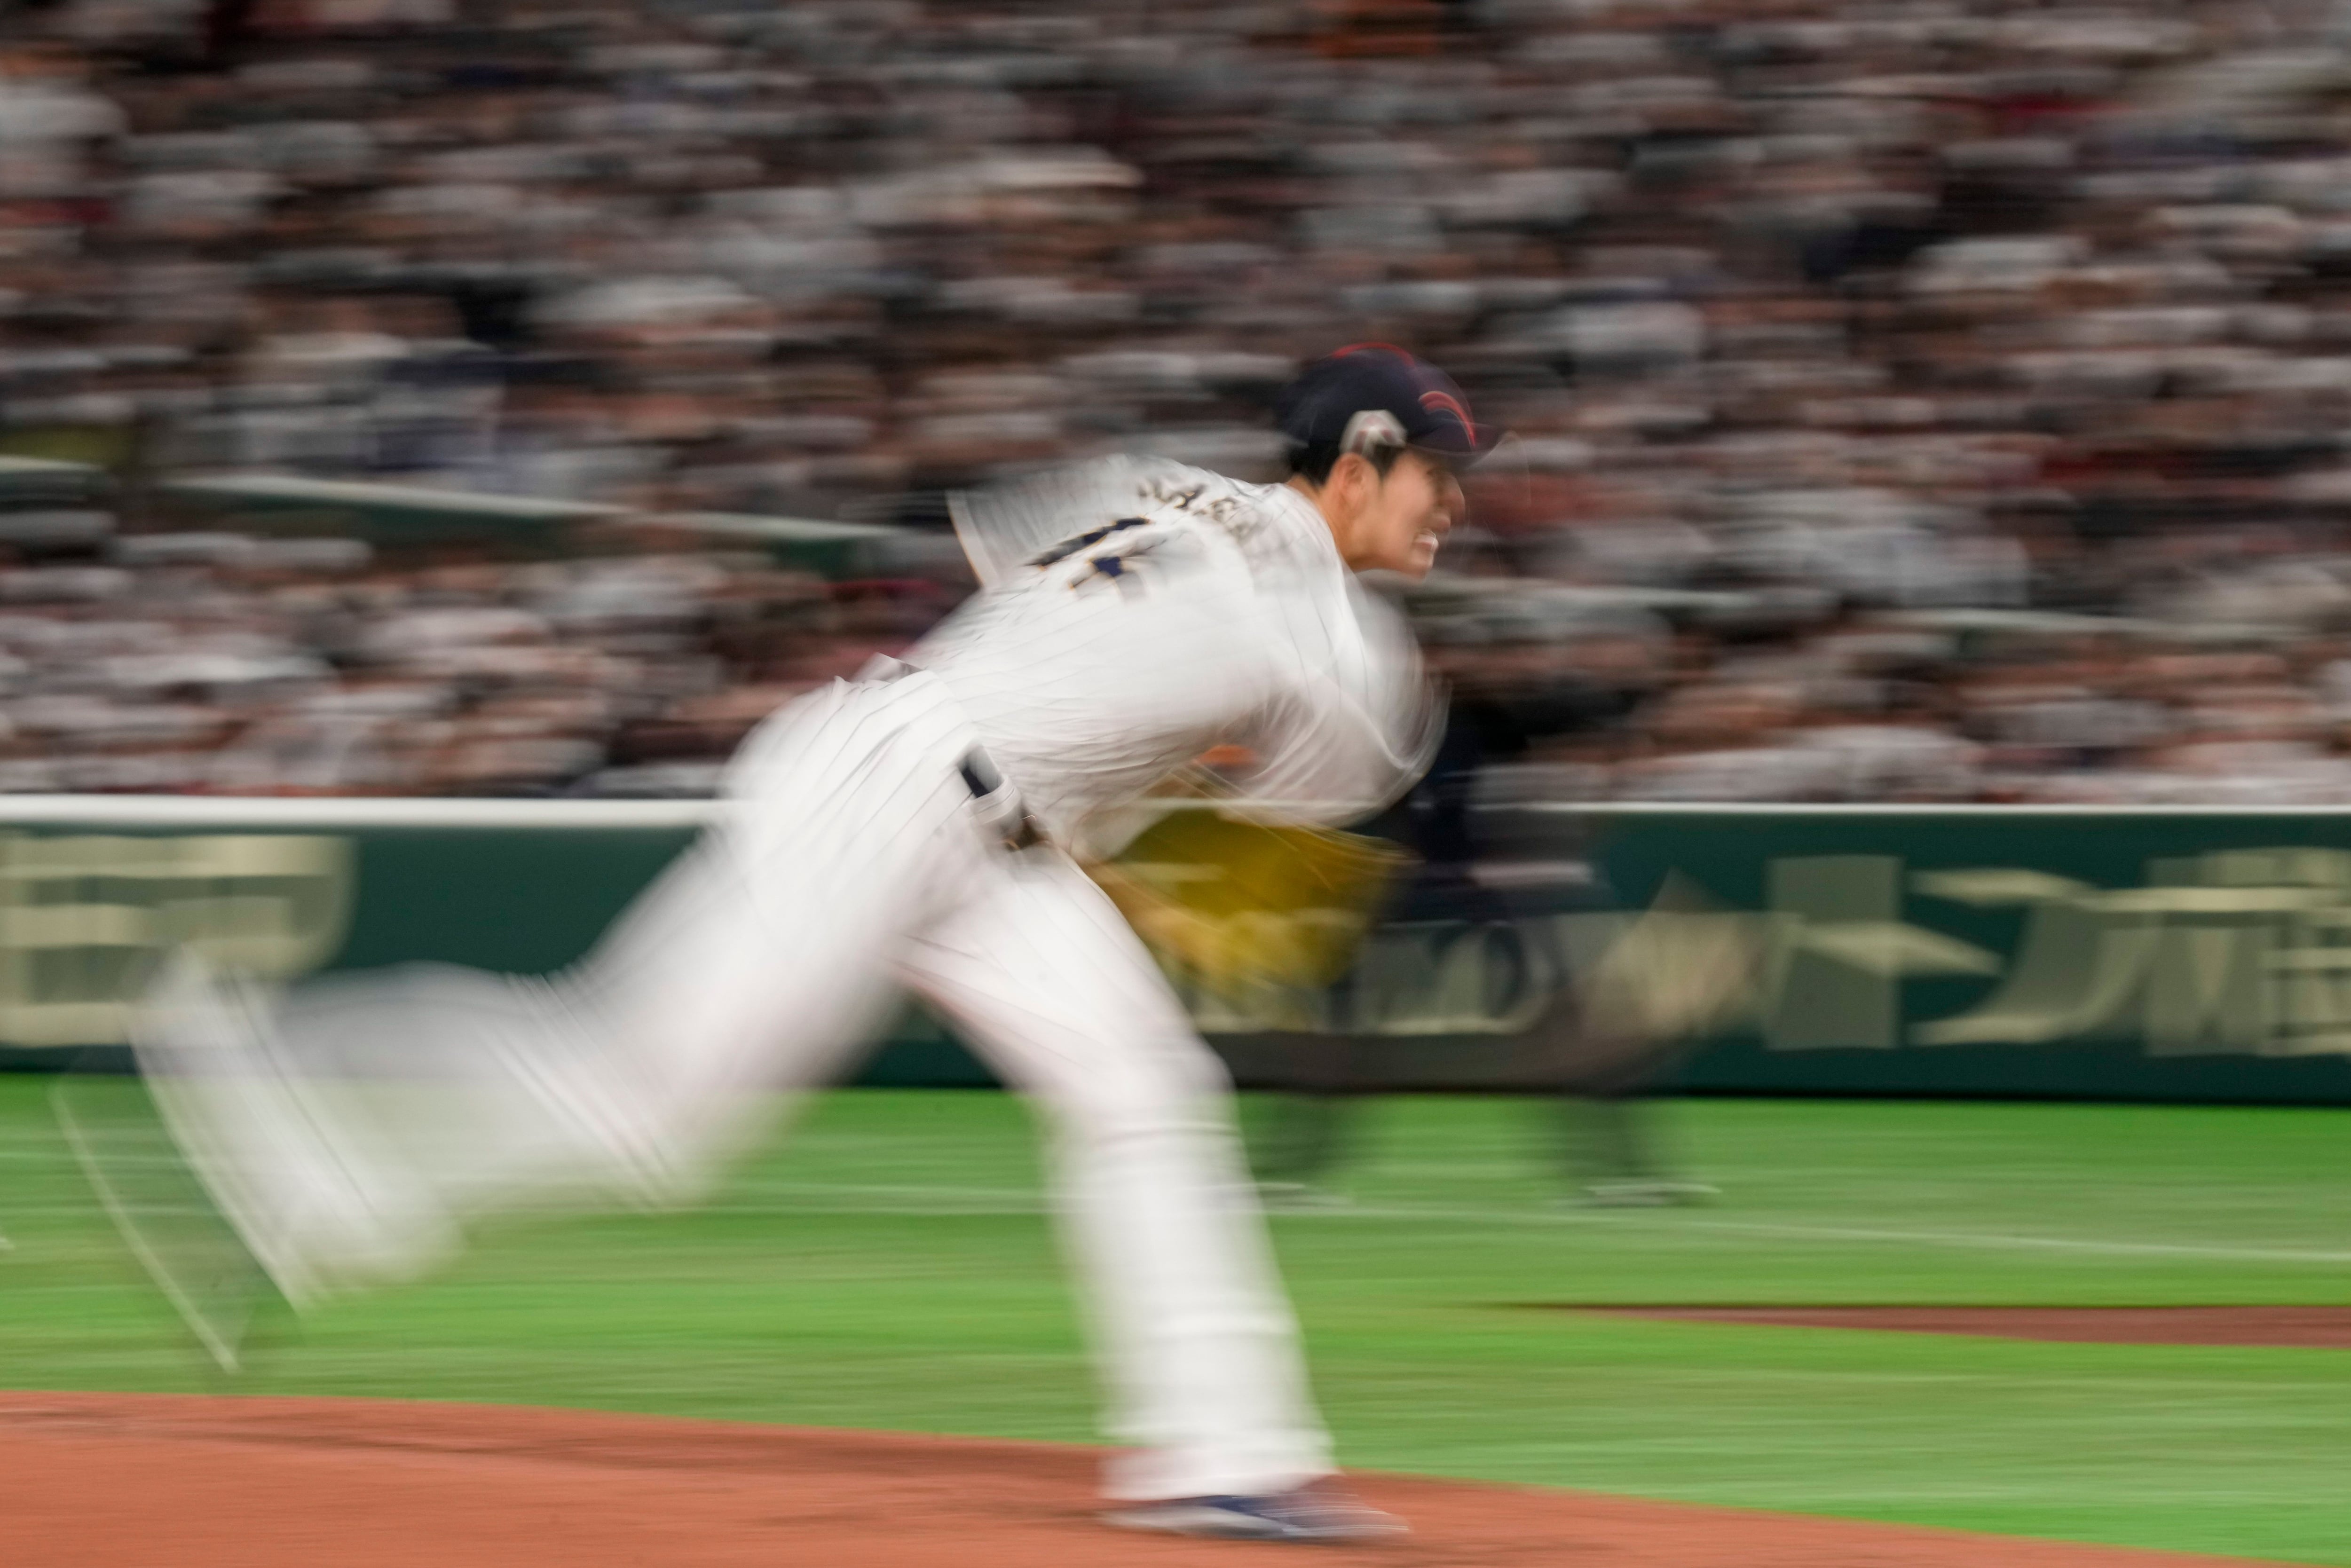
892	1264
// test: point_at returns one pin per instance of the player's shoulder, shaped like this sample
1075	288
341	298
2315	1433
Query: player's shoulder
1271	527
1236	505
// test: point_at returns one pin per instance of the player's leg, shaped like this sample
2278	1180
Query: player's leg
1305	1131
1594	1085
1044	977
349	1130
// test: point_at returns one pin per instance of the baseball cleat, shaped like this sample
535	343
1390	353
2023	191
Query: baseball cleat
1309	1513
1298	1196
1643	1193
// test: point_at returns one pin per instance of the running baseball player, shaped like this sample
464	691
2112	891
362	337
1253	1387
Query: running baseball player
918	830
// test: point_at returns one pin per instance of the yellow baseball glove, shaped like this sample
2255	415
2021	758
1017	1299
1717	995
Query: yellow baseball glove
1241	906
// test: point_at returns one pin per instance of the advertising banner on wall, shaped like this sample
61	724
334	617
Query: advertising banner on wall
2025	951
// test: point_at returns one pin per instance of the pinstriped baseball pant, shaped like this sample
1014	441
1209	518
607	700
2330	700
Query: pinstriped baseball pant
854	864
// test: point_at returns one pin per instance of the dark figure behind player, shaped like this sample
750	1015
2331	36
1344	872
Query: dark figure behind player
1592	1081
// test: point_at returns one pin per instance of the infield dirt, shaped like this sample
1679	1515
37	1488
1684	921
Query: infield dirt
291	1483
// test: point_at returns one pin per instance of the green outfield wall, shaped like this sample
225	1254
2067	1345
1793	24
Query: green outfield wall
2158	954
2179	955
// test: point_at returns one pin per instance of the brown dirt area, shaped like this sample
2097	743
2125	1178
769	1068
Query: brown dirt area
2309	1327
95	1481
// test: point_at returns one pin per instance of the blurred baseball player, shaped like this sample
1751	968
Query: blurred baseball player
918	830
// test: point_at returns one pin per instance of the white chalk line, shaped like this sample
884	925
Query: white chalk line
946	1202
221	1350
914	1201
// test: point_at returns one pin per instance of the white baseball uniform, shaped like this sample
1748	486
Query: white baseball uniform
866	852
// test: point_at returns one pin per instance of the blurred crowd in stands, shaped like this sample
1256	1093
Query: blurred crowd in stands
1940	400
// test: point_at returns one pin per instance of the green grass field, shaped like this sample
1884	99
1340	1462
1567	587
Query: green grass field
888	1265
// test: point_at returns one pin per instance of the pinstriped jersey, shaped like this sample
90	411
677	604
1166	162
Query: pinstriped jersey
1178	611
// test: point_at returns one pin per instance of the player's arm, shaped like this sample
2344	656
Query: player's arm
1354	723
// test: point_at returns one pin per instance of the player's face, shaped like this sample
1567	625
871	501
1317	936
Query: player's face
1408	513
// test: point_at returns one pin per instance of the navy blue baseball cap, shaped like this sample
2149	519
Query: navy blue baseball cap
1375	394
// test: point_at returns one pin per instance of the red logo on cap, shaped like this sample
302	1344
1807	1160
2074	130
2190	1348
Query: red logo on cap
1435	399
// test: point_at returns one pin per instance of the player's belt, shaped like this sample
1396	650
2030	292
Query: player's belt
998	802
